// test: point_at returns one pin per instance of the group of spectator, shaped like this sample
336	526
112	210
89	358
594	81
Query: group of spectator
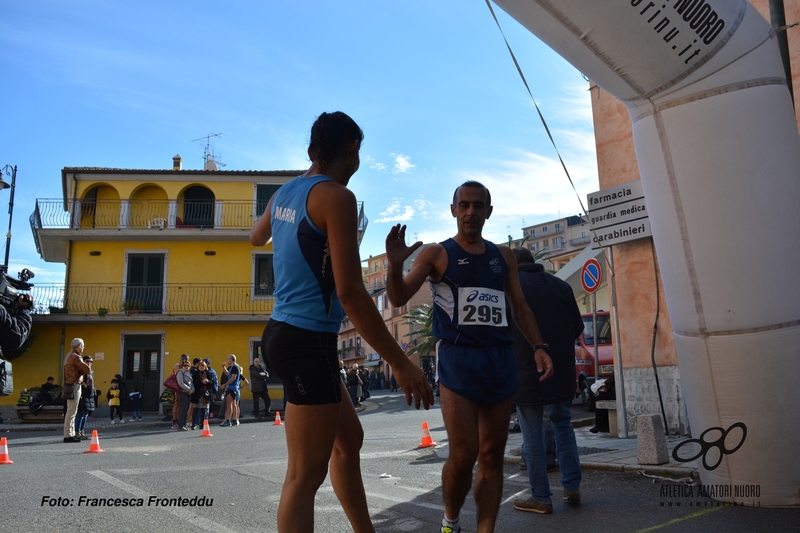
359	381
200	385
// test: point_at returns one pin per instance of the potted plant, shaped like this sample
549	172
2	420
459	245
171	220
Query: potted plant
102	311
132	307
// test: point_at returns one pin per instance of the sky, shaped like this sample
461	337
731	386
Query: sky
131	84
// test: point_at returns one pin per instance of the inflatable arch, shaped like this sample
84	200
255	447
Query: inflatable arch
719	155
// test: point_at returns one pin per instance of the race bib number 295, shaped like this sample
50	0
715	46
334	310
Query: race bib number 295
479	306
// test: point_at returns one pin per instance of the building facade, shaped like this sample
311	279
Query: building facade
158	264
556	242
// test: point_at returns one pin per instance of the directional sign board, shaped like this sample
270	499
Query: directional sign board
618	214
591	275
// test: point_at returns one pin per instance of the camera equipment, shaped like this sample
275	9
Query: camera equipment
10	289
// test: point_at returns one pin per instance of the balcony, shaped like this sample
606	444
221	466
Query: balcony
145	214
54	226
580	241
152	302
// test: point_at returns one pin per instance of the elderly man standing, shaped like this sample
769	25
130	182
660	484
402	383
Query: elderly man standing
74	369
258	386
559	319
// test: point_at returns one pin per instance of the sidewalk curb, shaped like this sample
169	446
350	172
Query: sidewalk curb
166	424
653	470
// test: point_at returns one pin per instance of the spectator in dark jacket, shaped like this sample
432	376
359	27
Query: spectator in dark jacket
14	329
258	386
553	304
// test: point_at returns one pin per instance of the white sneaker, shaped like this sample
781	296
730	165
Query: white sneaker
121	421
113	422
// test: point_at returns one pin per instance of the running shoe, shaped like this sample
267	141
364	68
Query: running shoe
532	506
225	424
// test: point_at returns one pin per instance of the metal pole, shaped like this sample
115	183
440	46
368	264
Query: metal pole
594	334
10	215
619	378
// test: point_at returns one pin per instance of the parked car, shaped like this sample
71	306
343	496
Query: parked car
584	354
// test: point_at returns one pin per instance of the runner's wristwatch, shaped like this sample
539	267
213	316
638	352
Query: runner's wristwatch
543	346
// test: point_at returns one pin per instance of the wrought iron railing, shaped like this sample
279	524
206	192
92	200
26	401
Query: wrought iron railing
171	298
579	241
158	214
152	214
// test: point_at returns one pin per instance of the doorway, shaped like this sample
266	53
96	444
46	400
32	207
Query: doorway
142	368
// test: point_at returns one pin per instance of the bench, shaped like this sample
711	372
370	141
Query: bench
50	414
611	406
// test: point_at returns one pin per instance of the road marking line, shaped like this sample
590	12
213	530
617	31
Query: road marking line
514	497
676	520
187	468
195	520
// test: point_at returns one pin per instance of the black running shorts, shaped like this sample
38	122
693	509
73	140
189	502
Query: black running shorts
306	361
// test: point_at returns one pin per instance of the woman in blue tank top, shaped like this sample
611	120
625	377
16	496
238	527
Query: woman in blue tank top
313	223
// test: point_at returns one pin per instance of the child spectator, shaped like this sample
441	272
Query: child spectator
114	396
136	404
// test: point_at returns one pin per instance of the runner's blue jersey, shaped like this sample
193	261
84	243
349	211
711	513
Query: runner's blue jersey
469	300
305	294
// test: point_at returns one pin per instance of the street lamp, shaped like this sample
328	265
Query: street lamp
8	170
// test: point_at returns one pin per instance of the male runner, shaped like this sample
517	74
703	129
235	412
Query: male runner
471	279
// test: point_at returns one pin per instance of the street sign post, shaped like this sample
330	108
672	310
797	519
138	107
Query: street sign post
591	276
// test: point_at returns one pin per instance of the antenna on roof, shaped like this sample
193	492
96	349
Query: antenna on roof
210	161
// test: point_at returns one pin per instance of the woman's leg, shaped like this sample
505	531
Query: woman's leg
228	406
346	468
176	404
308	466
184	410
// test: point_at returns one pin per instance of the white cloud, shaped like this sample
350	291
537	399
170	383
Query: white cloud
396	213
423	207
378	166
402	164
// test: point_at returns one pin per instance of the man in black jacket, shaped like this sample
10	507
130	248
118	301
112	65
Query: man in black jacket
15	329
258	386
553	304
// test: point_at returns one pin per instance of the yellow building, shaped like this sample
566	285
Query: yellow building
158	264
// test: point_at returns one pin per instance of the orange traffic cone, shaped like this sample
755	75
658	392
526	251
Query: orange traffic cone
277	419
206	431
4	460
427	441
94	447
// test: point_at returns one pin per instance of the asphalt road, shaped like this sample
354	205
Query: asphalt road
237	477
